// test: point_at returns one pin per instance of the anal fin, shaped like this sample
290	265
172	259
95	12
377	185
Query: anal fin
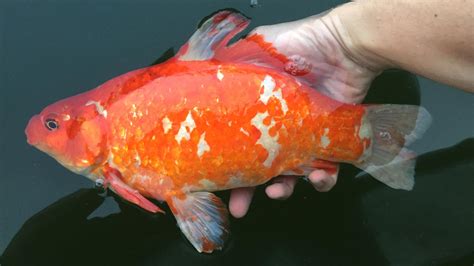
203	219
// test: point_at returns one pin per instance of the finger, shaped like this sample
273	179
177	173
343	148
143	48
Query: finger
282	187
322	180
240	199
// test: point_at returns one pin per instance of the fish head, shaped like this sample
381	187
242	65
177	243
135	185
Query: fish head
73	131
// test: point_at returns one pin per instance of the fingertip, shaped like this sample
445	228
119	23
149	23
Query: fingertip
282	188
240	199
277	191
322	181
237	210
317	176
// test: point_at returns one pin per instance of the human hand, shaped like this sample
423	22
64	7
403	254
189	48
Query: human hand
340	70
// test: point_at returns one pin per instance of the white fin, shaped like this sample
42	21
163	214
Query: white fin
212	35
393	128
203	219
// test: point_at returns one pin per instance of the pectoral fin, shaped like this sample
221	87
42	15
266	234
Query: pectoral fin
202	217
113	179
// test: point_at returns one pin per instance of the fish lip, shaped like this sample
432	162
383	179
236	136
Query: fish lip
31	136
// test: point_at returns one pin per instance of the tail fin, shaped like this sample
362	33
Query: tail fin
394	127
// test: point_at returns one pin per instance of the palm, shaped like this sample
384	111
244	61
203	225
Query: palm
337	75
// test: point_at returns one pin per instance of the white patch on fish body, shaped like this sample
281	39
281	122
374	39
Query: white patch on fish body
134	111
187	126
244	132
269	143
140	178
268	85
182	134
99	108
235	181
187	188
202	146
138	160
166	124
365	130
219	74
208	184
325	141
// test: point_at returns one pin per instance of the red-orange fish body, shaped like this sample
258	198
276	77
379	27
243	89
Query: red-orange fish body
213	126
213	118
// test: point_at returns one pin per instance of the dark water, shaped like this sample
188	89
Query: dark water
49	216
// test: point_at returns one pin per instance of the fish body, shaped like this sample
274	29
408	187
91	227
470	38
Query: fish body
213	126
205	121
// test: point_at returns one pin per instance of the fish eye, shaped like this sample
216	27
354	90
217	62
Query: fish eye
51	124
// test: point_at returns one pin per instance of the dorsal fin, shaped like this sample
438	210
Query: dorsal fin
253	49
212	35
258	48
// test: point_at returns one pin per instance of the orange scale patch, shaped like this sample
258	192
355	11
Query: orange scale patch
268	120
275	129
344	144
274	107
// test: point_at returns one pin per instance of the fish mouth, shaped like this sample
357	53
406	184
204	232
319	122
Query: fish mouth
32	136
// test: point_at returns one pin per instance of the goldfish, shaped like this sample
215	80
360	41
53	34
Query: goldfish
217	117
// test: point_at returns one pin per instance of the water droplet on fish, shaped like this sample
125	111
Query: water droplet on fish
253	3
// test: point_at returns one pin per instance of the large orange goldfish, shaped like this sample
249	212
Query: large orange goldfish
218	117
